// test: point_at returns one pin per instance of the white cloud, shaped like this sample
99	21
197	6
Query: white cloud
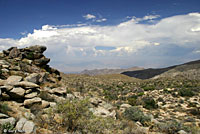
101	20
136	44
89	16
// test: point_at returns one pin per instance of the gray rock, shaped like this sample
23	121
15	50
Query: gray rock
42	61
12	80
29	116
5	70
58	91
0	92
34	78
14	53
10	120
52	104
101	111
30	102
2	82
17	92
26	84
95	101
44	77
70	96
36	48
29	127
20	124
45	104
182	132
3	116
6	88
31	95
3	62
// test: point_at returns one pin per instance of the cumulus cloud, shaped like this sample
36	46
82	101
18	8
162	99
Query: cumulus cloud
89	16
133	43
101	20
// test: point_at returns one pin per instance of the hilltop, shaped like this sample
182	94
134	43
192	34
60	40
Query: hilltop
109	71
190	69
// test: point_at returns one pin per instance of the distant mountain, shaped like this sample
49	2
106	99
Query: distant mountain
109	71
190	70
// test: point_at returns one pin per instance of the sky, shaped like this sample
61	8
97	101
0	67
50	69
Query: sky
91	34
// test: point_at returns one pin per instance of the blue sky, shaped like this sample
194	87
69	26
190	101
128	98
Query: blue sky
87	34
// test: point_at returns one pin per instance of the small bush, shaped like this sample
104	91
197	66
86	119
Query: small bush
74	115
149	103
171	127
135	114
186	92
4	108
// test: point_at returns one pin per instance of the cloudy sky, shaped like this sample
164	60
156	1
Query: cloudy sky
89	34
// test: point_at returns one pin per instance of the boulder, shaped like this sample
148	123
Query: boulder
36	48
17	92
95	101
3	62
29	127
10	120
31	102
14	53
45	104
58	91
182	132
101	111
42	61
34	78
6	88
20	124
26	84
3	116
12	80
31	95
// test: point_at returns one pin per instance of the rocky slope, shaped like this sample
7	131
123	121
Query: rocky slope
191	69
109	71
35	98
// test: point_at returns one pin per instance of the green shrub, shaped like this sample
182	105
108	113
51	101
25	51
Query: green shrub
135	114
171	127
4	108
149	103
132	101
74	115
186	92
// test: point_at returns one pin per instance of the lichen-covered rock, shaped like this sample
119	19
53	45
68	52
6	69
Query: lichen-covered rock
10	120
20	124
31	102
31	95
26	84
12	80
34	78
14	53
17	92
29	127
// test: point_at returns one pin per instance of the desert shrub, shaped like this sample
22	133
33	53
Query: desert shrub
186	92
74	115
135	114
171	127
148	87
4	108
132	101
7	128
149	103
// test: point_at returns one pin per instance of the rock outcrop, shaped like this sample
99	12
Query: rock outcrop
23	75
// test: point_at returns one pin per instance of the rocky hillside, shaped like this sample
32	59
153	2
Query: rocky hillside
190	69
109	71
37	99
